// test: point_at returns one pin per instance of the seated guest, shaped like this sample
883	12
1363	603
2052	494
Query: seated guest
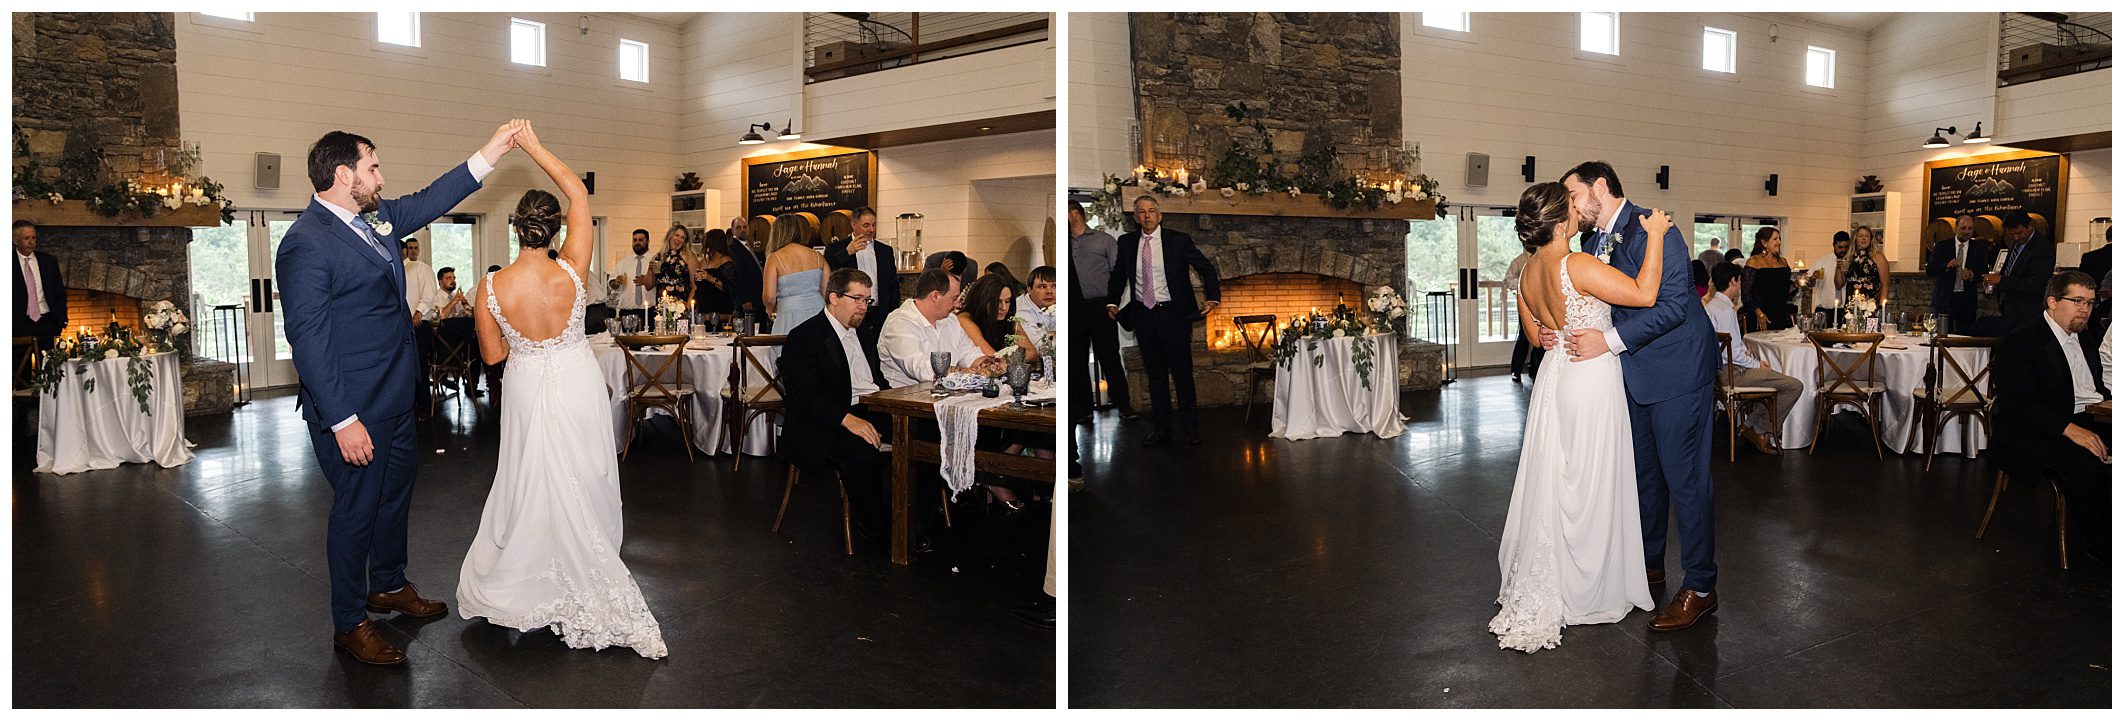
1768	304
1747	371
825	372
2045	380
986	318
456	315
1037	306
954	262
923	325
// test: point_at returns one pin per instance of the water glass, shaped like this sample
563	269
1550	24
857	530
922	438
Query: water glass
939	364
630	324
611	326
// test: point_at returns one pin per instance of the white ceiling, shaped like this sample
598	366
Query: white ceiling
675	20
1855	22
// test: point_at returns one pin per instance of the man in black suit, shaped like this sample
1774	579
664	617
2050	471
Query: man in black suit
1150	293
40	294
745	275
2095	263
2047	374
1954	283
825	371
863	251
2029	264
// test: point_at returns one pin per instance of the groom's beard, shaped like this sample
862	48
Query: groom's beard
364	197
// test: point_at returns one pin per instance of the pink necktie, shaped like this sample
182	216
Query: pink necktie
30	277
1150	292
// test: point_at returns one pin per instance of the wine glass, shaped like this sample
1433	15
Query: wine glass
630	324
939	365
1932	324
1020	375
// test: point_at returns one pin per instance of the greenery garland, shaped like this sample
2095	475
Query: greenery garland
117	342
84	175
1312	333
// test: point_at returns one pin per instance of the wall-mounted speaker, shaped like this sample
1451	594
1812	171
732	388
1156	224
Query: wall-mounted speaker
1663	177
1526	169
1771	185
590	182
266	172
1478	170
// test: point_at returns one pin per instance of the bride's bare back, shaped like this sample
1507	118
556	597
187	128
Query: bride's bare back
537	296
535	293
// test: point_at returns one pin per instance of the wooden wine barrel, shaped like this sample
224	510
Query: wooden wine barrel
1988	227
837	224
811	227
2042	225
1937	230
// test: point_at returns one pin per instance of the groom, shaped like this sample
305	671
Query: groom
343	299
1668	360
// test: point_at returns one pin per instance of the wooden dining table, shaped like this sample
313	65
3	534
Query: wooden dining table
910	404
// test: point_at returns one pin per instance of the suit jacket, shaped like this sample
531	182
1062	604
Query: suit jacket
51	286
2095	263
1978	261
1180	254
2034	389
744	279
2021	285
1670	347
344	306
815	387
885	288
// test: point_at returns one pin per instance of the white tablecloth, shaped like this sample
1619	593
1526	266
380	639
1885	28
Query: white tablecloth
1330	400
708	369
79	430
1900	364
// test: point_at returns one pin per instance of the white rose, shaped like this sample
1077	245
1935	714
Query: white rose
1294	191
110	353
1338	332
179	329
156	321
172	203
1243	187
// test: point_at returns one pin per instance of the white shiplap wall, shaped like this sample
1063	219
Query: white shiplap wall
1517	85
246	88
984	85
1102	98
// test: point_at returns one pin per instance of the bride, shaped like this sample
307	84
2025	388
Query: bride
1573	552
547	552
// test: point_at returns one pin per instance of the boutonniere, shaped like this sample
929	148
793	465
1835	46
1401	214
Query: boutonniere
1607	248
381	226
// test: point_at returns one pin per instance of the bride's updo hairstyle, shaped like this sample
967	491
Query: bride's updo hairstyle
536	220
1541	209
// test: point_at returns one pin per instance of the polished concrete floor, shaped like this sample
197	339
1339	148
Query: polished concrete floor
205	586
1354	571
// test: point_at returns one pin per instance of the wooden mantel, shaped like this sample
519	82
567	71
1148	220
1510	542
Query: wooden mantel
76	213
1303	205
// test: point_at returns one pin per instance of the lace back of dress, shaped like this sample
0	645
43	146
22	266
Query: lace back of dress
569	337
1580	311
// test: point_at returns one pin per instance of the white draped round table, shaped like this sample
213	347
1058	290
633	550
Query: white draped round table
1900	364
82	430
708	370
1330	398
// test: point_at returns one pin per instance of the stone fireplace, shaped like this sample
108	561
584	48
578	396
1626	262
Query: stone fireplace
1317	80
107	82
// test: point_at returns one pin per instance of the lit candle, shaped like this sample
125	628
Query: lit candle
1183	176
1140	171
177	189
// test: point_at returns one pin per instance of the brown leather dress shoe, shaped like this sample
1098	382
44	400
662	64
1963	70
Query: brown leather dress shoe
1656	576
1761	442
1685	610
407	601
368	646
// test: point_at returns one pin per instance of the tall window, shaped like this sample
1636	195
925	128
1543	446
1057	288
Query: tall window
634	61
527	42
1600	33
1821	67
1719	50
246	17
1446	21
450	241
398	29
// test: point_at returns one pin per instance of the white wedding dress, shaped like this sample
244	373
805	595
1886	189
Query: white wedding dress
1573	552
547	551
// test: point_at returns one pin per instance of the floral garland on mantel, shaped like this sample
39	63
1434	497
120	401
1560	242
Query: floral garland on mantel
83	175
1256	170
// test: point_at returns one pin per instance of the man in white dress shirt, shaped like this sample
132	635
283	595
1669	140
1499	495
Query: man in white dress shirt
1037	305
423	296
863	251
924	325
1828	273
637	279
1725	295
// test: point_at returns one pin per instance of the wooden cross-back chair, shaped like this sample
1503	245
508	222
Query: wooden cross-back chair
1839	383
1255	332
451	366
663	387
1951	391
1736	400
749	394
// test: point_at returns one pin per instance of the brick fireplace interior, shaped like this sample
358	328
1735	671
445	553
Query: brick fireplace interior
1279	294
96	309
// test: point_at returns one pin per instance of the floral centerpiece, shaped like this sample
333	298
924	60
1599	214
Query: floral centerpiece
1860	312
164	323
1387	306
1311	330
668	311
76	352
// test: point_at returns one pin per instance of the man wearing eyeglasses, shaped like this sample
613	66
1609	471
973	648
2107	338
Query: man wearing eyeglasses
2045	380
826	370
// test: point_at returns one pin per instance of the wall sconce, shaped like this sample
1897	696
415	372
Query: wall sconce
752	134
1977	136
1939	138
1663	177
1527	169
1771	185
788	131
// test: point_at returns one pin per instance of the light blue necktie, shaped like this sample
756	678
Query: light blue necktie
369	234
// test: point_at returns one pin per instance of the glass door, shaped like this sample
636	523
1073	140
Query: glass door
235	305
1457	295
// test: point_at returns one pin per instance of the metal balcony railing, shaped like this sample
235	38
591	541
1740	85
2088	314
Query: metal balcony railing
2036	46
839	45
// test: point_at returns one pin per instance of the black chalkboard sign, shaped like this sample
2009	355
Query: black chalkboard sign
1997	184
812	181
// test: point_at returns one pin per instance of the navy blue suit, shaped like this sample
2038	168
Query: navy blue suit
745	281
344	305
1960	308
1668	371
